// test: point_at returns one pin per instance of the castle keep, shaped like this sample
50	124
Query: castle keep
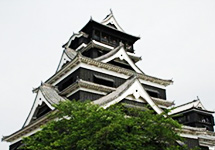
99	64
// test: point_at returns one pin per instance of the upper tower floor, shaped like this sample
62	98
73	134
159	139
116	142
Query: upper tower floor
107	32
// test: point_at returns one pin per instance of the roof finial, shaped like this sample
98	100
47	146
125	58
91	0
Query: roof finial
197	97
111	12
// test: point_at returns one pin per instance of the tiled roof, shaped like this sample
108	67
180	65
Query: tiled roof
50	93
86	60
195	104
113	95
109	54
70	53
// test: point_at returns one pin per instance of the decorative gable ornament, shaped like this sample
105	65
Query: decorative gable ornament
111	21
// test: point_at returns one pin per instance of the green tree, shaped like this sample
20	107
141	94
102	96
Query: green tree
84	126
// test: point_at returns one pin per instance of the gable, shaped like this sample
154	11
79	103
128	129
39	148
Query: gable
64	60
121	54
121	63
39	106
131	87
67	56
195	104
111	22
40	111
199	105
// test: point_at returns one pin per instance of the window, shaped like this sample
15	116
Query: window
184	119
204	119
104	37
153	93
113	41
65	83
96	34
103	80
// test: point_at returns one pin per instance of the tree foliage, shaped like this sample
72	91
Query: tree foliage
84	126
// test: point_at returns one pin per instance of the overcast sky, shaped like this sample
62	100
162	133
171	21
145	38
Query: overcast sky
177	42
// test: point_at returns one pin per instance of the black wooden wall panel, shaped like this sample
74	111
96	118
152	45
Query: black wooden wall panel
89	96
68	80
75	96
87	75
162	92
192	143
83	95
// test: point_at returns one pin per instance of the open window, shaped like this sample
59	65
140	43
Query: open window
113	41
105	38
96	35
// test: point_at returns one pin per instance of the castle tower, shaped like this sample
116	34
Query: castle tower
99	64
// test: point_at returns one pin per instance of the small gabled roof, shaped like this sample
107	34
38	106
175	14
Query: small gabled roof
70	53
107	48
195	104
110	20
118	52
67	56
131	86
109	54
45	93
74	35
51	94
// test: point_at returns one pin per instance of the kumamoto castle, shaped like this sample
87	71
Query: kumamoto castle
99	64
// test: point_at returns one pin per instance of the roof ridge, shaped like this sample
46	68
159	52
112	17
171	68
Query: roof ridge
110	53
187	103
118	91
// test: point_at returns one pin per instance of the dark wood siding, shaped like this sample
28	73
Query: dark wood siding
161	93
89	96
93	53
15	146
83	95
68	80
134	103
75	96
89	75
195	119
192	143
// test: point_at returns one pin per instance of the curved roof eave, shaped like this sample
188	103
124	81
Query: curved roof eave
91	21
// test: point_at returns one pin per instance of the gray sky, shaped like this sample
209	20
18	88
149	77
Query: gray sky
177	42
